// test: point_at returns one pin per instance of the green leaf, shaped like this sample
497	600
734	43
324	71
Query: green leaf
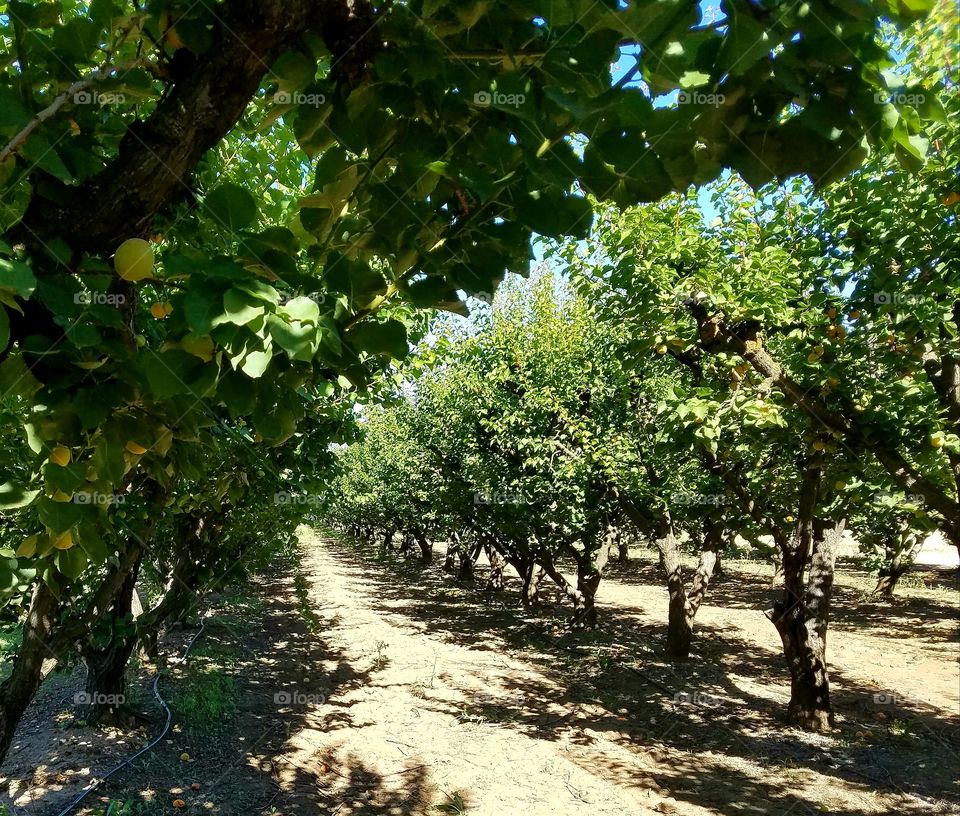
388	337
231	206
255	363
240	308
301	308
71	562
555	215
13	496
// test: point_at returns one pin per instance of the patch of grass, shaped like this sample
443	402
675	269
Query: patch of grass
381	660
204	697
302	588
240	612
454	804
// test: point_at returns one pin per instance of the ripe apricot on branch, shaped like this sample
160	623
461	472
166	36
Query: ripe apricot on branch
135	448
170	35
64	541
161	310
134	260
60	455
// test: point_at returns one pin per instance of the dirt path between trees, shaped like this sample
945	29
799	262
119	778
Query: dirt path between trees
469	703
356	685
433	722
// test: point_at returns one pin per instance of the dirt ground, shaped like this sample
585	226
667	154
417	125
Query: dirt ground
360	685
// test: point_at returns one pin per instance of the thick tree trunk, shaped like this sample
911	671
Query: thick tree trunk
590	568
679	625
452	556
387	543
574	594
801	616
532	578
684	604
426	548
497	565
104	692
468	560
19	688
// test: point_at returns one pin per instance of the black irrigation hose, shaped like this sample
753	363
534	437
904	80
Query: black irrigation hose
166	727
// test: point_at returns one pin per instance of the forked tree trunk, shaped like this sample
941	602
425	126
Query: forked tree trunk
684	605
19	688
468	560
802	614
104	692
574	594
426	548
497	565
590	568
387	542
533	576
453	555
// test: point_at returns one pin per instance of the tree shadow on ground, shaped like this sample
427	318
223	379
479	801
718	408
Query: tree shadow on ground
851	610
716	721
286	682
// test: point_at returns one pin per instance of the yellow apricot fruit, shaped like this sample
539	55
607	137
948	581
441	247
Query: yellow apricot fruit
135	448
134	260
64	541
936	441
60	455
170	35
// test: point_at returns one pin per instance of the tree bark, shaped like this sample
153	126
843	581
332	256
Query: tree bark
426	548
684	604
156	155
19	688
497	565
104	692
802	614
574	594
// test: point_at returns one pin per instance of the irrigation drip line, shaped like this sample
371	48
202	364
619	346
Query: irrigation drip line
166	727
